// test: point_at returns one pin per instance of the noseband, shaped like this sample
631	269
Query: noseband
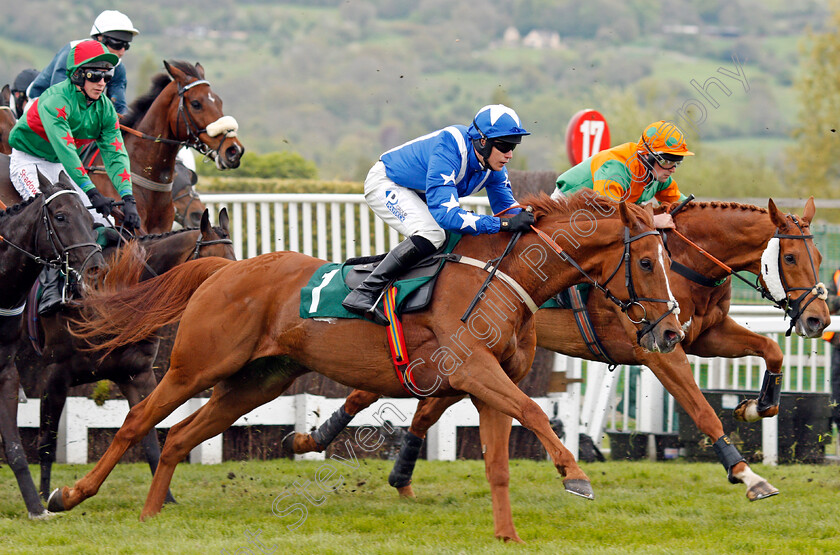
193	131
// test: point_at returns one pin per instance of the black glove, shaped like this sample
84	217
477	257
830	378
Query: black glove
520	222
100	202
131	218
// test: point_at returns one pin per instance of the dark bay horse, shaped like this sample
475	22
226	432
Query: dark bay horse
185	199
241	333
738	238
53	228
66	360
180	110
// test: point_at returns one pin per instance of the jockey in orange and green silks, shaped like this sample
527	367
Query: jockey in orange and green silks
635	172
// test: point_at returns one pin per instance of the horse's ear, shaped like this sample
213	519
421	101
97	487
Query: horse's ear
45	185
205	222
173	71
5	95
199	69
810	208
627	217
224	221
776	215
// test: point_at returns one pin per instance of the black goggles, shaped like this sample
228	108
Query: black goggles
503	146
116	44
97	75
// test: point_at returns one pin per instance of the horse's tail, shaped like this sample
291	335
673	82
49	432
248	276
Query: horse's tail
112	317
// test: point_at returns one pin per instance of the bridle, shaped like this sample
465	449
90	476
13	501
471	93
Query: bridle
189	191
792	308
60	259
634	300
199	243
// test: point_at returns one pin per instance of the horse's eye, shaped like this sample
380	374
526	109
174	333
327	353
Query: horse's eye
646	264
195	104
790	259
60	217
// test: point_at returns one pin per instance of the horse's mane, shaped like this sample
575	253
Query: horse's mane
141	104
597	206
715	204
165	234
18	208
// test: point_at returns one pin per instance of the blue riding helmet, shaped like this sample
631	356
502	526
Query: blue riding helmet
497	121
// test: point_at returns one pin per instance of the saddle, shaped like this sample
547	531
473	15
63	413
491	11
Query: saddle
322	295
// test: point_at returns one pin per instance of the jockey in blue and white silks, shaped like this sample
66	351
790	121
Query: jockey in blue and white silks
415	188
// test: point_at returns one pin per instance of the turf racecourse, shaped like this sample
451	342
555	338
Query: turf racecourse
640	507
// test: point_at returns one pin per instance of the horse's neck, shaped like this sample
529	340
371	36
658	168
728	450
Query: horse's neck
539	269
150	159
17	271
167	252
735	237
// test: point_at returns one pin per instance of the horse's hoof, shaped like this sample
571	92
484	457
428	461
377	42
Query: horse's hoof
46	515
746	411
287	445
170	499
761	490
583	488
56	501
406	492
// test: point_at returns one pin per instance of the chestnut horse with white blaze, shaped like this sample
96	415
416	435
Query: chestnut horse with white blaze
241	333
711	242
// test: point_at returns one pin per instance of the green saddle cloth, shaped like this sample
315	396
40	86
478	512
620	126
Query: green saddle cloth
323	294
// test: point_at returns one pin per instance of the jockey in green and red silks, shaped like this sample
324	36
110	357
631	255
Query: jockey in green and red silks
64	119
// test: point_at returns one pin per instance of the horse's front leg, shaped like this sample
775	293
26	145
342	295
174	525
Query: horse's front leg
429	411
53	399
731	340
318	440
495	436
15	455
674	372
135	390
485	380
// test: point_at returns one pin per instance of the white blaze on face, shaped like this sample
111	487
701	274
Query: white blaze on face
770	270
667	283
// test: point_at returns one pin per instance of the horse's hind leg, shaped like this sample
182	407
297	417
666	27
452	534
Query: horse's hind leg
318	440
53	399
231	399
428	412
174	390
135	390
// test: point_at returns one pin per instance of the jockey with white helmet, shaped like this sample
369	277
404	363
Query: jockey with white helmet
113	29
415	188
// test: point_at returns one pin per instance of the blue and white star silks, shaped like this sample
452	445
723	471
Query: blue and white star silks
451	203
443	166
469	220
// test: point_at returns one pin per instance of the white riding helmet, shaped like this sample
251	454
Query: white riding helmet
113	24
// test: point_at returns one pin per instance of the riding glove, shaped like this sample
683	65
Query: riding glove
520	222
100	202
131	218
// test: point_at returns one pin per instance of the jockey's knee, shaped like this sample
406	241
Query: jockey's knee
437	237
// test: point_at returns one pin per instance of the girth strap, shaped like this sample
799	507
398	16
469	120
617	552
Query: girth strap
151	185
518	289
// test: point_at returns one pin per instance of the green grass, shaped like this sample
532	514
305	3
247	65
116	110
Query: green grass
640	507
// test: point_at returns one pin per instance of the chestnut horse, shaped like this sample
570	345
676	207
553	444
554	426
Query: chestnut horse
7	119
241	333
67	364
55	229
180	110
737	242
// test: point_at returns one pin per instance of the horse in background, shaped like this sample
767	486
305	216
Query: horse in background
185	199
53	228
241	333
7	119
67	361
179	110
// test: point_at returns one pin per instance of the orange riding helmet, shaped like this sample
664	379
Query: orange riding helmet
663	141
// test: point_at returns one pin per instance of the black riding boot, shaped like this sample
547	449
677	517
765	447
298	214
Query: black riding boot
51	283
401	258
